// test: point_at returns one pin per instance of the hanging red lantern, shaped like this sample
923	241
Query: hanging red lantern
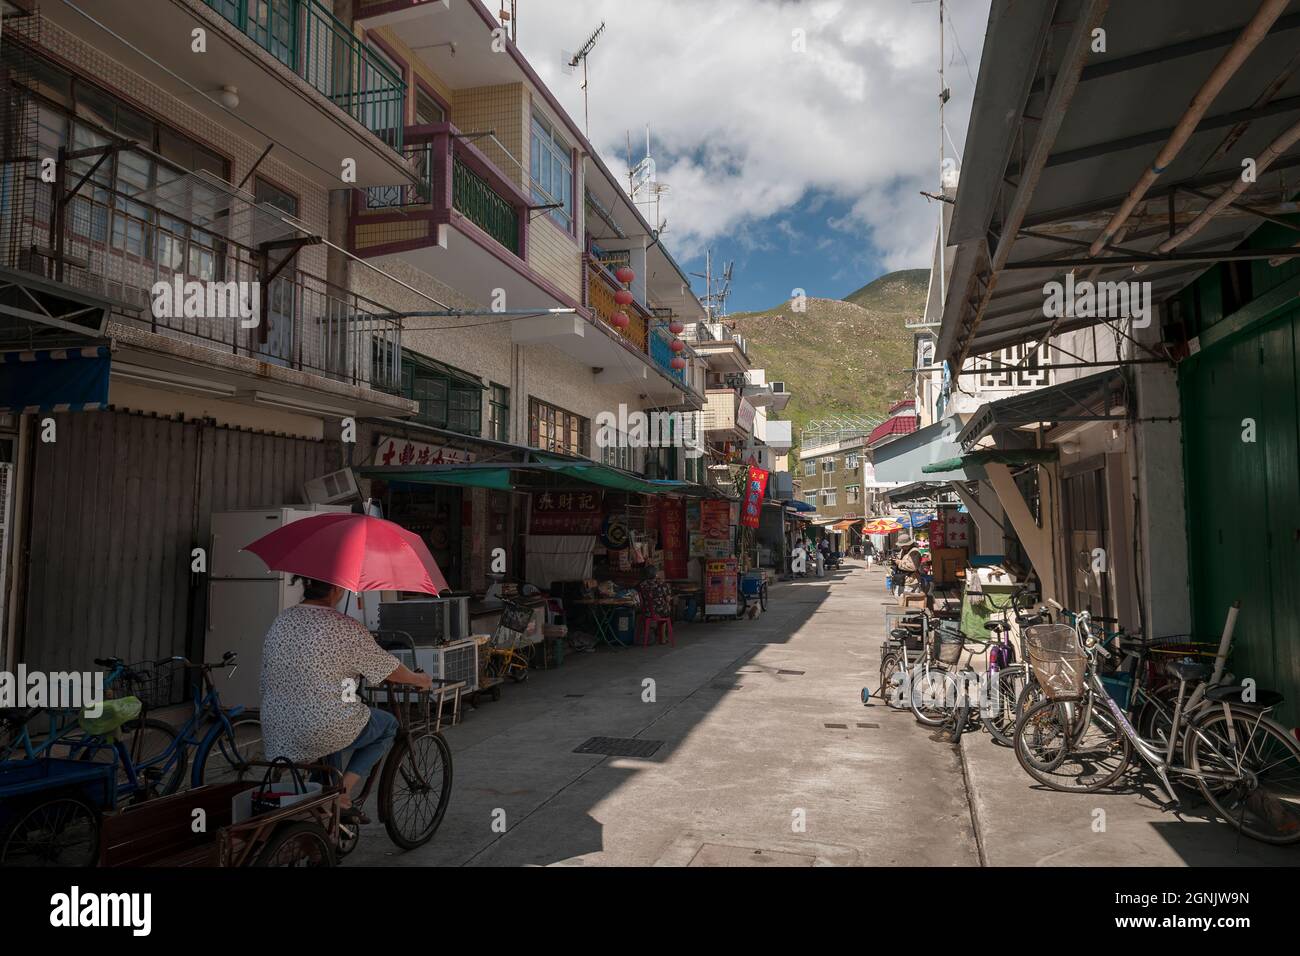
677	345
619	320
624	274
676	327
623	297
678	362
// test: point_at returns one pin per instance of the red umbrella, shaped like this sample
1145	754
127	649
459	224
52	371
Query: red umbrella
356	552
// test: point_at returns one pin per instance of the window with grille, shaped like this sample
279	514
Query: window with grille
853	494
554	429
499	413
810	468
551	168
830	497
448	398
828	465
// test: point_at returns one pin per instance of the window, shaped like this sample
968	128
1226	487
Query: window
499	413
811	498
853	494
427	109
555	429
448	397
829	496
828	465
851	462
551	168
810	468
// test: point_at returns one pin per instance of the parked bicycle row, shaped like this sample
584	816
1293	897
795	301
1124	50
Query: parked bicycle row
1091	709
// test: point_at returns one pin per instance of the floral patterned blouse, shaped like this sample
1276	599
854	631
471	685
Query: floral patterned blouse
313	658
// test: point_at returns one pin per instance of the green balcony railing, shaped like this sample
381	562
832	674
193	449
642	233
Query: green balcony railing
318	47
474	198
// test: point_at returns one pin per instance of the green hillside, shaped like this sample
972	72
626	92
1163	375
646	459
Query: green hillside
846	357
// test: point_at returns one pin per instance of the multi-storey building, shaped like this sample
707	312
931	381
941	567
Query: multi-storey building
395	235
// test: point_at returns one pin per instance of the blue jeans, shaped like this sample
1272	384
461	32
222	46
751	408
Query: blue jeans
369	747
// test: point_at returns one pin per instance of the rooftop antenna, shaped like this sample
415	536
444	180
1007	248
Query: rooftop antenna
715	302
644	187
571	65
509	17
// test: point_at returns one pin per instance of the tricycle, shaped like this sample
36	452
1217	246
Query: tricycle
50	810
197	827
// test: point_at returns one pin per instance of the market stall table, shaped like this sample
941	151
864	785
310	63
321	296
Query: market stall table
602	612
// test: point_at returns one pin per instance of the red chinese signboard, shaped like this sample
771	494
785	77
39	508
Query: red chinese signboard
566	512
672	536
715	518
403	451
755	487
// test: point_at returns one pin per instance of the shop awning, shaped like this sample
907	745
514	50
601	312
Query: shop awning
998	456
1093	398
846	524
516	476
54	380
797	505
904	459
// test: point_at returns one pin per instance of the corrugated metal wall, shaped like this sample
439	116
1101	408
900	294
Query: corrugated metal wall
119	501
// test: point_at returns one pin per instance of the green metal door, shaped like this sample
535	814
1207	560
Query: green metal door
1243	499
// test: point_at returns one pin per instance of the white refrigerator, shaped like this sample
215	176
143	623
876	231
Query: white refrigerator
244	597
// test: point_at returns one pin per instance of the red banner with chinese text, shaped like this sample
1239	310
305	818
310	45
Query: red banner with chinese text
755	487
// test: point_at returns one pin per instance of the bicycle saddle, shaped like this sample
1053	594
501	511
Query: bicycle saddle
1232	693
997	627
1190	670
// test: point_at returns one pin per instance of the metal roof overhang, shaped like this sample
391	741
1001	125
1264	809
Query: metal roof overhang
1059	134
36	313
1093	398
903	458
526	476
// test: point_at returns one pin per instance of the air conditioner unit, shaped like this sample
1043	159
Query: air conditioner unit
778	388
331	488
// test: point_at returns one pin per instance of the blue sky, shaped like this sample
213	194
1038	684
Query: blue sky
794	135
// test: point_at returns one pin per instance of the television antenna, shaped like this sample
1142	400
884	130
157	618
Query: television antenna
715	302
644	187
570	66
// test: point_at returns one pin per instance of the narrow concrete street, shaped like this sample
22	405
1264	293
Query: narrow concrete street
768	756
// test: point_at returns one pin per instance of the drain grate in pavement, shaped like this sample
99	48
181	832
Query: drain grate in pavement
719	685
575	695
792	673
869	726
618	746
836	726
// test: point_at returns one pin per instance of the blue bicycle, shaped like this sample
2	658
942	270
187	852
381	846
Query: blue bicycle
152	756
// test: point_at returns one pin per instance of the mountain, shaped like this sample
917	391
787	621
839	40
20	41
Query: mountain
840	357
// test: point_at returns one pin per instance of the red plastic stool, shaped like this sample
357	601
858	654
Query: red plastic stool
660	625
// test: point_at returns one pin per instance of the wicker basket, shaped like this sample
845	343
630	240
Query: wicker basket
1058	660
947	644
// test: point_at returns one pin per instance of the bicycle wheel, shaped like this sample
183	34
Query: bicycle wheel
999	716
414	788
297	844
61	831
227	760
149	742
1059	755
892	679
933	694
1265	803
762	596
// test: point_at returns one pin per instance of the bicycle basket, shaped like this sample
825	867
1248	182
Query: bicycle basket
515	617
948	644
1057	659
151	682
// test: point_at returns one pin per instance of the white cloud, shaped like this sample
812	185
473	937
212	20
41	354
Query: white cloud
744	127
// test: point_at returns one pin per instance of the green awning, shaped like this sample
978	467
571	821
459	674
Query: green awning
511	477
464	477
994	456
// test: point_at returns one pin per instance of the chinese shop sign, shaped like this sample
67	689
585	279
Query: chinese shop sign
673	537
566	512
401	451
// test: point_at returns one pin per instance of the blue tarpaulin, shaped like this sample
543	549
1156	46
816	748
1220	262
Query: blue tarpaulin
54	380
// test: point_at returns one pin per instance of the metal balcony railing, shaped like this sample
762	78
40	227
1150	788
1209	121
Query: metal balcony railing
318	47
119	248
475	199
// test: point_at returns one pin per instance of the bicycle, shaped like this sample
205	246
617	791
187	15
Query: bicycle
1243	762
231	741
1007	677
414	778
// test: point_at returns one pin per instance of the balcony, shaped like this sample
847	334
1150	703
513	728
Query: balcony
725	349
727	415
119	248
457	186
302	76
